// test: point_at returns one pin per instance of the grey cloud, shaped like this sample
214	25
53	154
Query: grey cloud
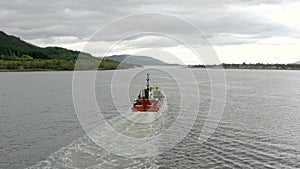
36	19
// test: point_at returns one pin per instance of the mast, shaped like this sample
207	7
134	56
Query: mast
148	74
147	85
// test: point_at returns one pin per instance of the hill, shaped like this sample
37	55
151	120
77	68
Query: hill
16	54
136	60
14	46
297	62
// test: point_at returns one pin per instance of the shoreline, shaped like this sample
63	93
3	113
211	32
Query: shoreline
68	70
257	66
239	68
30	70
55	70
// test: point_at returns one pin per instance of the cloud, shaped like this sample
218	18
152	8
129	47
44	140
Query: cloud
33	19
70	23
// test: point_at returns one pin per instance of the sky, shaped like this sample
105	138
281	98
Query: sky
237	31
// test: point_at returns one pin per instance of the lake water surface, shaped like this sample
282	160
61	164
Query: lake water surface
259	128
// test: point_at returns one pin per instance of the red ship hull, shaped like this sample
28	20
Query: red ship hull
146	106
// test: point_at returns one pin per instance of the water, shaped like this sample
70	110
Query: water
259	128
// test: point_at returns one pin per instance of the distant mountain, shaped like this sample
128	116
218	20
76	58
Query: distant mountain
137	60
14	46
297	62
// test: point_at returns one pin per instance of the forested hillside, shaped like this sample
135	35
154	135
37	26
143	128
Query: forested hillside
16	54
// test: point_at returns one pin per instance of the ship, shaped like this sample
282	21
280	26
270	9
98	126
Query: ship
149	99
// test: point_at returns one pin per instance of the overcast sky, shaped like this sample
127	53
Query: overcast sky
239	30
